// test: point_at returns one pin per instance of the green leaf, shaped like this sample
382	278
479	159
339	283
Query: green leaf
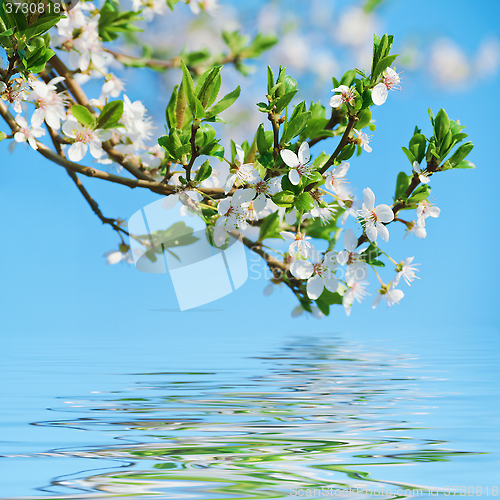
193	102
270	227
417	147
284	198
304	202
170	109
208	83
270	81
408	154
295	126
82	114
3	135
227	101
460	154
261	139
284	101
465	164
204	172
364	119
441	125
346	152
382	65
403	182
110	114
421	193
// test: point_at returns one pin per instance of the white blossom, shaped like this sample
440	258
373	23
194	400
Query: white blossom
300	246
346	96
50	104
335	179
356	290
390	294
85	137
363	140
298	163
245	173
407	270
356	266
27	132
390	81
422	176
375	217
320	273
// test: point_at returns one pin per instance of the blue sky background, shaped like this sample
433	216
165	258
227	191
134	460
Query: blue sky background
54	282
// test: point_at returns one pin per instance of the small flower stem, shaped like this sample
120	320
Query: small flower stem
375	271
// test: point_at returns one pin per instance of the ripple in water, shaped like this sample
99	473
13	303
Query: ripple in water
323	419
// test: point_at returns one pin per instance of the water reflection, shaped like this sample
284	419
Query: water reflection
323	418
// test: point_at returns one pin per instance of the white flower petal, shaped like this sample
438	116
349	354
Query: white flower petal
383	231
368	199
350	240
77	151
379	94
290	158
315	287
302	269
304	154
384	213
294	177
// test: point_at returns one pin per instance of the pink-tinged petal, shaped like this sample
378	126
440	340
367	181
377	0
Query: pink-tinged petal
294	177
434	212
350	240
384	213
336	101
170	201
114	258
376	300
383	231
302	269
315	287
287	235
368	199
77	151
290	158
229	183
331	282
304	154
342	257
371	232
379	94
